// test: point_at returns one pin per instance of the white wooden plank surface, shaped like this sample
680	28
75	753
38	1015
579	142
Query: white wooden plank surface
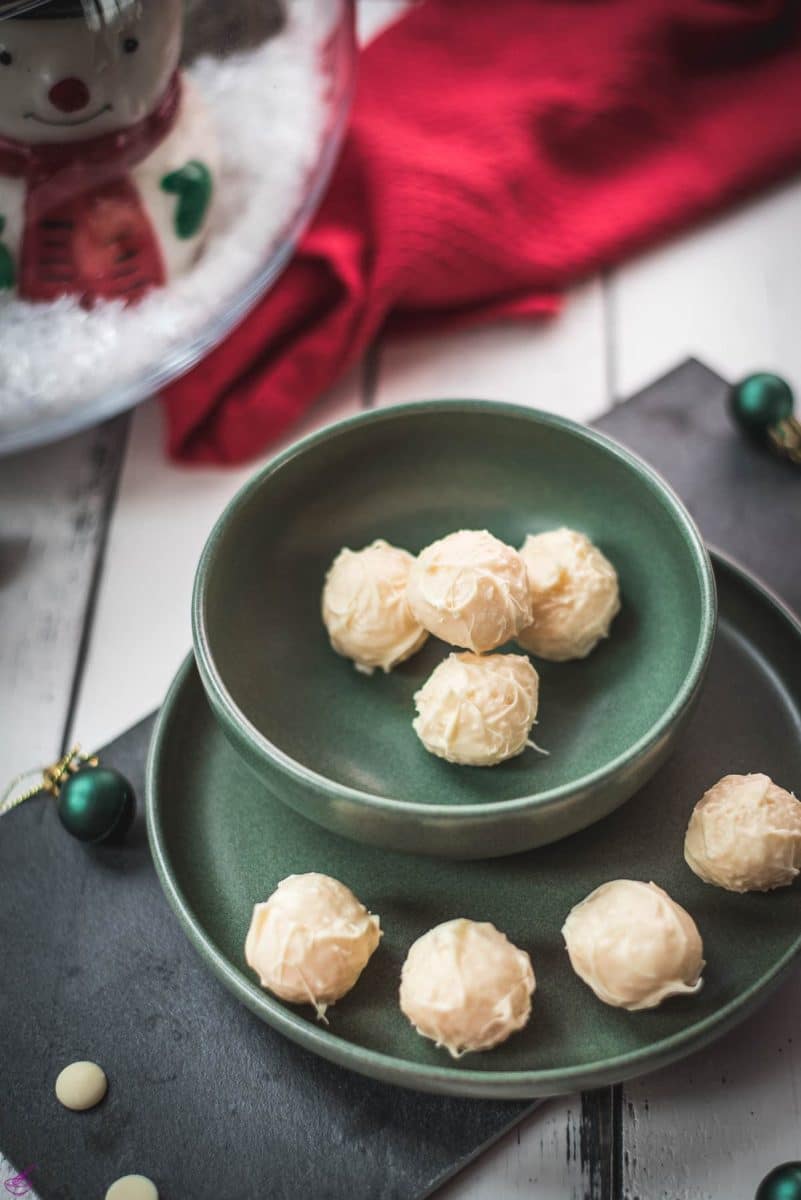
539	1160
559	364
728	293
714	1125
52	516
372	16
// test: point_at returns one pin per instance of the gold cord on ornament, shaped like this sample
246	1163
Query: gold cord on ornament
785	438
51	778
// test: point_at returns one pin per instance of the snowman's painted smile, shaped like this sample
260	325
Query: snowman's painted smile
31	116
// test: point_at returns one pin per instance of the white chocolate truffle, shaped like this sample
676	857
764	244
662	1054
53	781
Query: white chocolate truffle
365	608
311	940
471	590
477	710
634	945
574	595
745	835
465	986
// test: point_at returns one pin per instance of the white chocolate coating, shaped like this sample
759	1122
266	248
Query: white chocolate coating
477	710
133	1187
365	608
471	590
311	940
465	986
81	1085
574	595
634	945
745	835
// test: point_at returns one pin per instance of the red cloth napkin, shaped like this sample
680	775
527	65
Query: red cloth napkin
497	153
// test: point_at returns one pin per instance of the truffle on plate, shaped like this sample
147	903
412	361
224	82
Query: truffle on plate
471	590
477	710
574	595
745	835
311	940
634	945
365	608
466	987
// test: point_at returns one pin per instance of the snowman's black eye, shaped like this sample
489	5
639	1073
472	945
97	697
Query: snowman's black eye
5	58
130	45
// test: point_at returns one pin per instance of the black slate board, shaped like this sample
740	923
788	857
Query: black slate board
205	1099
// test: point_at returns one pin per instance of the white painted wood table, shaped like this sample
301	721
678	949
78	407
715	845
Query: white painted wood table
99	537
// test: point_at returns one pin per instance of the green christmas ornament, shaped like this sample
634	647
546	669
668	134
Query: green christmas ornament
96	805
762	407
783	1183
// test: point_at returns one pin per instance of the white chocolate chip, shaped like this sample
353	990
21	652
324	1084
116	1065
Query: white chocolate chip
133	1187
81	1085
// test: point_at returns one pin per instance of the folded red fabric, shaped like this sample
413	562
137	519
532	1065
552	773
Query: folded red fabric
497	153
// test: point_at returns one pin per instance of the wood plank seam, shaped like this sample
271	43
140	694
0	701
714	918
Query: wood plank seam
110	470
609	315
369	376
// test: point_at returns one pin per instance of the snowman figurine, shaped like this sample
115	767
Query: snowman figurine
107	152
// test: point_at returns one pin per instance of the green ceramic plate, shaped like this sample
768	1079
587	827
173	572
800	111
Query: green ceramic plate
339	746
220	844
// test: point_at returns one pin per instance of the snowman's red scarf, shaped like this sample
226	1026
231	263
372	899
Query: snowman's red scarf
62	178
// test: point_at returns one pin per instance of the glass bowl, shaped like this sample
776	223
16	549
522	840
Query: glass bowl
159	161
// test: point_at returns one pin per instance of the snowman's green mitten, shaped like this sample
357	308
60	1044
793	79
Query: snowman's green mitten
192	185
7	273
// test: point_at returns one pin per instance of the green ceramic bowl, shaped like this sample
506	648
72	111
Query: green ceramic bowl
338	746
